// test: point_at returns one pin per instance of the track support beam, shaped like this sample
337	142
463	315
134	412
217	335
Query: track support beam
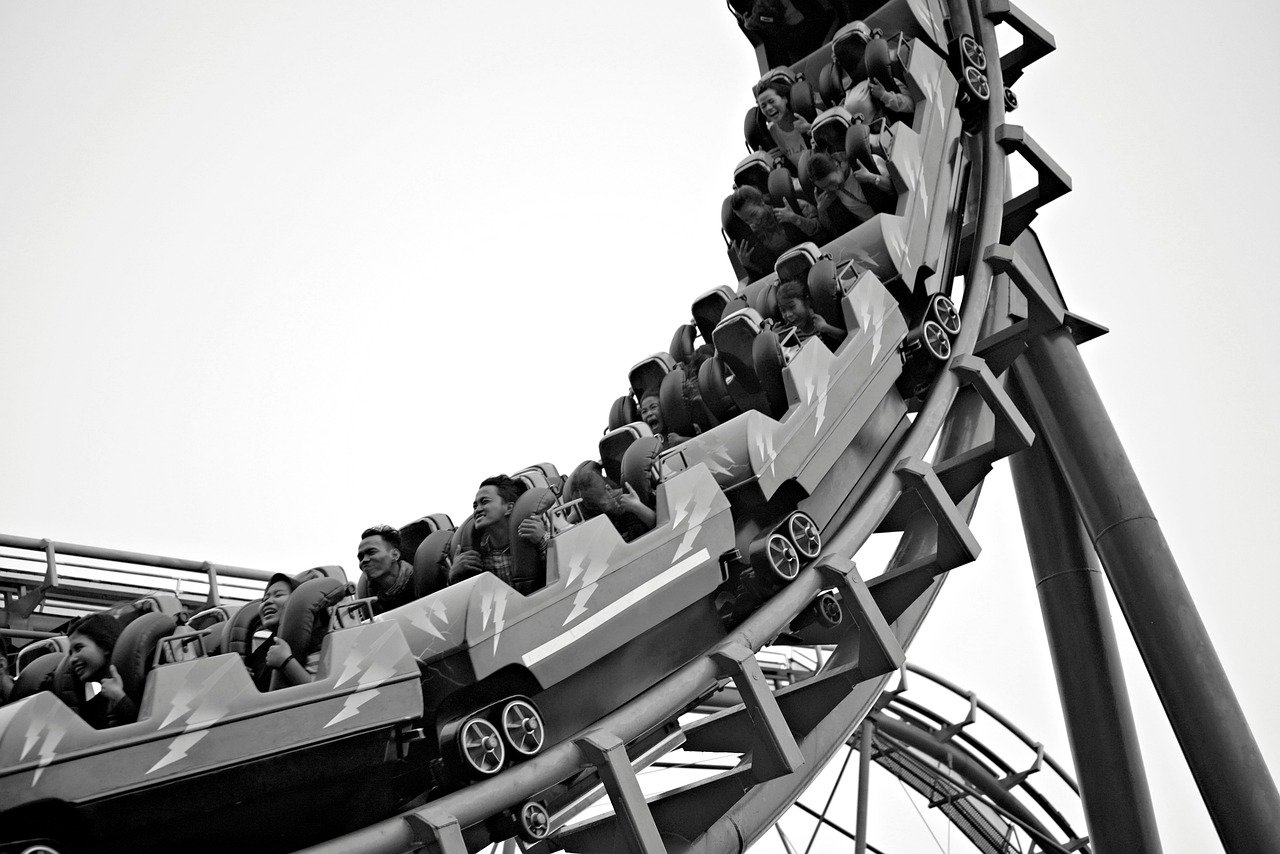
1206	717
879	651
774	752
609	756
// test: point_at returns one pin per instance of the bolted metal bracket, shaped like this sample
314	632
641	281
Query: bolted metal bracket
432	827
775	752
608	755
950	731
1013	433
879	651
1012	780
1037	42
1052	180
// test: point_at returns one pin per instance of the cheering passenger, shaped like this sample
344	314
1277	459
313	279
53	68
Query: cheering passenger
273	653
790	131
99	688
491	519
797	311
773	231
866	97
848	197
631	516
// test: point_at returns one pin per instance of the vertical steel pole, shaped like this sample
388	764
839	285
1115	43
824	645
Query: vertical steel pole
1086	661
865	739
1207	719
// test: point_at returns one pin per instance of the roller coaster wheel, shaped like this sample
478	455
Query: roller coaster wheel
522	727
803	533
935	340
972	54
533	821
775	559
975	84
1010	100
36	848
828	610
943	311
481	747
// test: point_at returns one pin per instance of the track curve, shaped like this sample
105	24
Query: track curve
959	423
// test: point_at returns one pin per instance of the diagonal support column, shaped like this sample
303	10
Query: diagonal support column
438	829
1222	753
609	755
775	751
1086	662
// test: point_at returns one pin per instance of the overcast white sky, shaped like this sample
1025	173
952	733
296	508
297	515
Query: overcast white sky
271	272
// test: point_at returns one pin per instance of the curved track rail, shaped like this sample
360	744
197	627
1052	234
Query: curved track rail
786	739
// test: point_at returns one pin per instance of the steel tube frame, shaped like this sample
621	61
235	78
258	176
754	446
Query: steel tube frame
1206	717
1086	661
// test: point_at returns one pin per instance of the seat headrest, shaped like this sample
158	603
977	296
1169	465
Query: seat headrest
829	129
709	308
753	170
763	297
796	262
541	475
646	375
614	445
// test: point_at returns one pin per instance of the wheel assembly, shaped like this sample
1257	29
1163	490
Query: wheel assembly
775	559
827	609
971	53
481	747
522	727
803	533
975	84
923	350
943	311
533	821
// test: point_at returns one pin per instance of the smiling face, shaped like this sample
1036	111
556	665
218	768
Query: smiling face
88	661
378	559
795	312
273	602
772	105
489	508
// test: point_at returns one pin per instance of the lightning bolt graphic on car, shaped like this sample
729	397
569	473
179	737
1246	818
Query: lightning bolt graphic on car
179	748
52	733
351	707
362	661
426	619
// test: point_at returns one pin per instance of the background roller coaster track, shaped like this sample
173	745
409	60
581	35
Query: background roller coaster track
795	733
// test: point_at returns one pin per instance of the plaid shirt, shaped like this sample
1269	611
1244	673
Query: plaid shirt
495	560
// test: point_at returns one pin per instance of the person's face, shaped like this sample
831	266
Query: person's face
88	661
273	602
489	508
651	414
795	312
756	216
832	181
377	558
772	105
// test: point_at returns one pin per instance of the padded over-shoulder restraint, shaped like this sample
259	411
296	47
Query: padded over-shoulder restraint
766	352
684	342
305	620
624	411
714	385
136	649
637	467
429	570
528	568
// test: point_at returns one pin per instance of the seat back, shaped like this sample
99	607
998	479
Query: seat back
796	262
614	445
829	130
624	411
412	534
753	170
36	674
646	375
212	623
763	297
541	476
708	309
36	649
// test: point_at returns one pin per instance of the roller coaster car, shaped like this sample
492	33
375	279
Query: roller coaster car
211	761
506	674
